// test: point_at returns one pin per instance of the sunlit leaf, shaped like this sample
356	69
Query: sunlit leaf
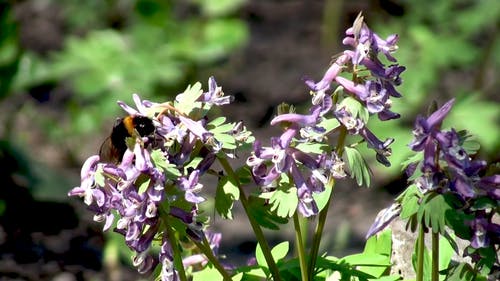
187	101
357	166
284	201
227	192
280	251
261	212
433	210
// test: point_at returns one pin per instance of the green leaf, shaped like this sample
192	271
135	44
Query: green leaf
99	177
427	262
160	161
409	201
244	175
488	259
259	257
469	142
227	192
388	278
433	210
358	166
484	203
250	273
321	198
209	272
228	141
461	272
414	158
380	243
329	123
355	108
446	252
316	148
187	101
143	185
222	128
280	251
222	133
284	201
261	212
367	260
216	122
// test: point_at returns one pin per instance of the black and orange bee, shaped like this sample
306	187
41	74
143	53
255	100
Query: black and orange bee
115	145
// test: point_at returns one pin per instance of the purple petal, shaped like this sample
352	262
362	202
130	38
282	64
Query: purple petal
435	119
300	119
383	219
329	76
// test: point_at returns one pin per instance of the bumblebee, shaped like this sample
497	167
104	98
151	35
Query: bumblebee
115	145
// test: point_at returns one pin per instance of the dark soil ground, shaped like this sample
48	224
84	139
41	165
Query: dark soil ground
44	240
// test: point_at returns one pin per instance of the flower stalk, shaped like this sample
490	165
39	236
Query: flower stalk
259	234
323	214
204	246
176	251
299	244
435	256
420	253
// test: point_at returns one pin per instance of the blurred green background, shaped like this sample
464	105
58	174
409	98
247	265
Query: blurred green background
64	64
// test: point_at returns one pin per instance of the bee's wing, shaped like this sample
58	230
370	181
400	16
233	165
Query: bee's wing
108	152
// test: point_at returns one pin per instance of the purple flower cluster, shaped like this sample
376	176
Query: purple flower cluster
447	168
270	163
372	91
158	179
310	172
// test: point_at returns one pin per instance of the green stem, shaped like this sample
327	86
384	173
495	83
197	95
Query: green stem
259	234
175	248
300	247
204	246
420	253
313	255
435	256
323	214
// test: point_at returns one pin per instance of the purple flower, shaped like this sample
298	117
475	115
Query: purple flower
329	76
299	119
426	127
373	95
386	46
141	108
383	219
484	231
215	94
166	259
191	186
199	131
344	116
490	185
144	262
382	149
307	206
87	180
365	41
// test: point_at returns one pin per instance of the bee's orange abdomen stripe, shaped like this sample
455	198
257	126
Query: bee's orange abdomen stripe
129	125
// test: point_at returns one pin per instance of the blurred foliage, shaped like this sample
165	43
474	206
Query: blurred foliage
9	49
449	49
115	48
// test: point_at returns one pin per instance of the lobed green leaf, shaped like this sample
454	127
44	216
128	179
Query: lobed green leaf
358	166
